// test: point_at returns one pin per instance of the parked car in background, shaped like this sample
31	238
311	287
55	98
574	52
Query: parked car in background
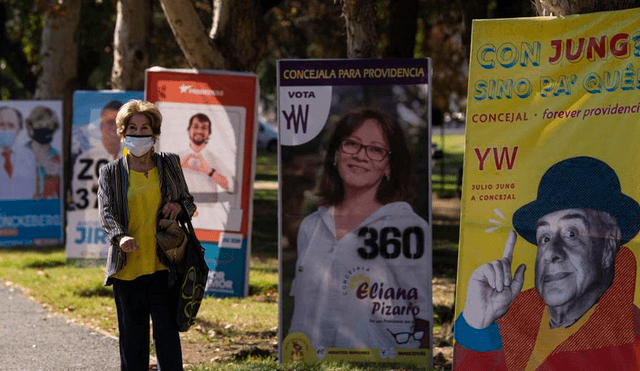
267	138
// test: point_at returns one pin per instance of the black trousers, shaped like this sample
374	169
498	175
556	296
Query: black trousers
136	300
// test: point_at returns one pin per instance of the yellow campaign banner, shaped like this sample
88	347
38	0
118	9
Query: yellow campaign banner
550	216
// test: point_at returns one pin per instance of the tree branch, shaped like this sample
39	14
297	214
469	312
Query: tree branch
191	35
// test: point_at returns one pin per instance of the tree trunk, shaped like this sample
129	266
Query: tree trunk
130	41
238	38
239	32
567	7
59	51
359	17
192	36
404	25
512	9
58	67
471	9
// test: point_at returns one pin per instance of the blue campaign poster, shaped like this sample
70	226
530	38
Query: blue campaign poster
94	142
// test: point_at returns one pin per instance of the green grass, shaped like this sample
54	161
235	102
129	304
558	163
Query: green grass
444	176
453	143
266	166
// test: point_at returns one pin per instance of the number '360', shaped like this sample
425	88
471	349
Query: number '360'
389	243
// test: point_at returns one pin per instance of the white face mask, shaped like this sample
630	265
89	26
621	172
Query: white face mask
7	138
138	146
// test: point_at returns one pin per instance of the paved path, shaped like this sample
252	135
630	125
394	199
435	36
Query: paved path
31	339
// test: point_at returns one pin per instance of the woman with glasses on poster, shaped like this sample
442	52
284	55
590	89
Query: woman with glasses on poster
363	270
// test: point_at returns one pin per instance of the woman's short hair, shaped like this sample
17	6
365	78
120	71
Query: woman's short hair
138	106
398	186
42	113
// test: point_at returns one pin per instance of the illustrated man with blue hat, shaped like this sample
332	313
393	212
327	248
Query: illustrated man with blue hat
581	313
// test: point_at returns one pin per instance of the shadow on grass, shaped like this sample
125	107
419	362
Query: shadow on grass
445	249
264	289
45	263
223	331
445	262
442	314
97	291
449	232
267	177
33	248
264	236
253	352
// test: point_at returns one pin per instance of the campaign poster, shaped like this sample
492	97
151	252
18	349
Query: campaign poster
94	142
209	120
355	251
549	215
31	173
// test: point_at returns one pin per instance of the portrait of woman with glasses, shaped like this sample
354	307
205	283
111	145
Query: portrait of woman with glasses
363	268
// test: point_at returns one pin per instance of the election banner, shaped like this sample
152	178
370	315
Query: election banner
355	246
209	119
549	213
94	142
31	173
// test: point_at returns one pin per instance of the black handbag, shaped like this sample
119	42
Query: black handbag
192	278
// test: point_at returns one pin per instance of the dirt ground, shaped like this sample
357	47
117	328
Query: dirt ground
198	346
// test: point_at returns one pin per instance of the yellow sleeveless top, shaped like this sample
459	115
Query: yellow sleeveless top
143	201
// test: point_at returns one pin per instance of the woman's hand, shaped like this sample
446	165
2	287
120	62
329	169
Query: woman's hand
171	210
128	244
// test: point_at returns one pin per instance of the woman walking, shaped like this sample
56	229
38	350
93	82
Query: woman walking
134	191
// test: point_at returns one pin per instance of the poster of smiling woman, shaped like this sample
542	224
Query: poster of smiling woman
547	271
355	251
30	173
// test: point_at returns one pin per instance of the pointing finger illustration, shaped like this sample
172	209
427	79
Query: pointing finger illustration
508	248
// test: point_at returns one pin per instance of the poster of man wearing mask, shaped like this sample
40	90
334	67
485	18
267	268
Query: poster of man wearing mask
94	142
30	173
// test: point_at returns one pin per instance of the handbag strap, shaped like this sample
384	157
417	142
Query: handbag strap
183	216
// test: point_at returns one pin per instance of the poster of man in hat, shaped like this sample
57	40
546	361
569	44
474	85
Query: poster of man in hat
547	276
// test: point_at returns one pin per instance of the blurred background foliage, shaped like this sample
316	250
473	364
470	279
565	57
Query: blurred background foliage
438	29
